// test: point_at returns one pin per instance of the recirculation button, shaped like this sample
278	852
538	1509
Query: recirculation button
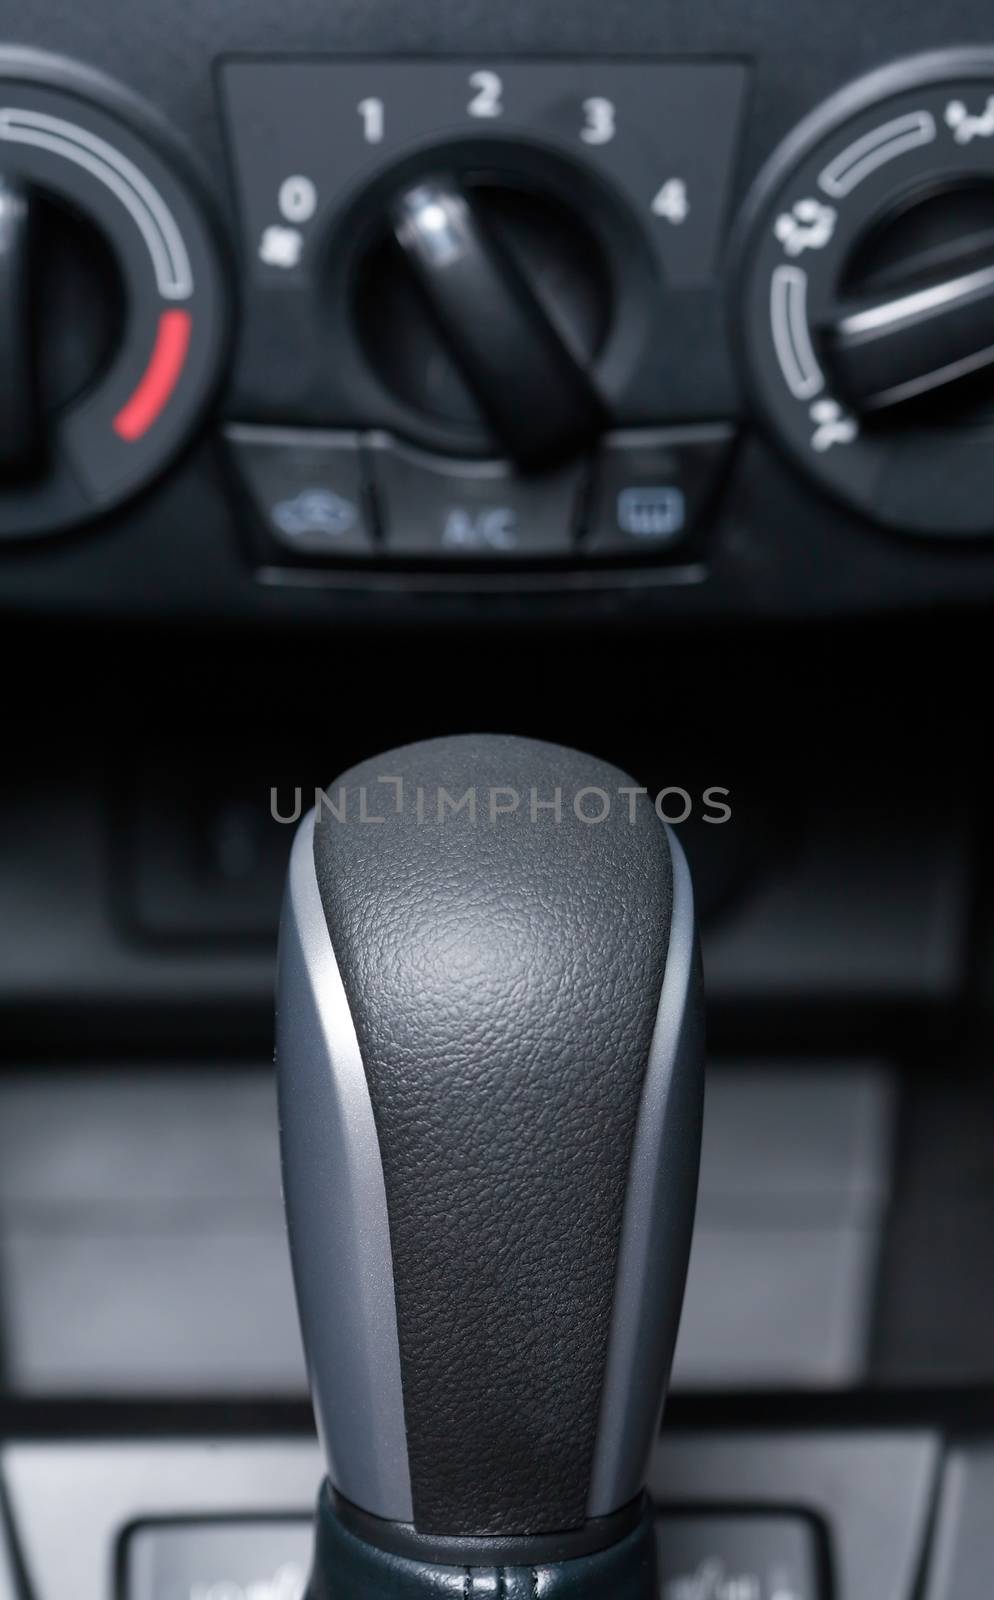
308	488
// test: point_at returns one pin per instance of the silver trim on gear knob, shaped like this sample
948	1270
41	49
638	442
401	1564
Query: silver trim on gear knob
336	1208
658	1219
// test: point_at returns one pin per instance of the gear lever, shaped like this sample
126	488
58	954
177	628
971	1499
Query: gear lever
490	1063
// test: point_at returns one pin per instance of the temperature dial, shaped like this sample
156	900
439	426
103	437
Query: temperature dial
112	310
868	318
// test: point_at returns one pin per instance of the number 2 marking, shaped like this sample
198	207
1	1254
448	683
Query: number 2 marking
488	99
600	126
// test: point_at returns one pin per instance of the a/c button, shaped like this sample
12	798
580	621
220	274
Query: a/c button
440	508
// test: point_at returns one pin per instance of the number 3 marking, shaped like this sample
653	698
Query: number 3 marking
600	126
487	101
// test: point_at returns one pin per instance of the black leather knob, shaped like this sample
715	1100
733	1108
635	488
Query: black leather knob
490	1075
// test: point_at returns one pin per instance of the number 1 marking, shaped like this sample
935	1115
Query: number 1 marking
373	120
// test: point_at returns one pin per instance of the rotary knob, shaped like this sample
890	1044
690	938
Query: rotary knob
868	318
512	323
113	313
484	305
915	322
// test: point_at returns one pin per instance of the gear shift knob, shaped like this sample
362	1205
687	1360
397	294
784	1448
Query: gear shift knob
490	1064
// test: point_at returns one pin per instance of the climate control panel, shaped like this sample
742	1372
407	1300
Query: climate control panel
330	496
477	320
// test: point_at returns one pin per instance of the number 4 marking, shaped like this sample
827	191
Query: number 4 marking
671	203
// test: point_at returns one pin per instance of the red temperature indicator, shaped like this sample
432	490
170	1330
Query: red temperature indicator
159	380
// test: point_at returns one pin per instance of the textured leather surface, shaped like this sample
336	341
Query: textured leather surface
490	1550
503	976
346	1568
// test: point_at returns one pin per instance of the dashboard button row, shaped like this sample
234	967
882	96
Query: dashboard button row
341	497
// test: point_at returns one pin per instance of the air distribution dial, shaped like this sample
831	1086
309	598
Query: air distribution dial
868	316
112	308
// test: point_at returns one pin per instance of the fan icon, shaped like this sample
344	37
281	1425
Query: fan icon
808	226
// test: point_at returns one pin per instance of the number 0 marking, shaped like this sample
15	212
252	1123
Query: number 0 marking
297	199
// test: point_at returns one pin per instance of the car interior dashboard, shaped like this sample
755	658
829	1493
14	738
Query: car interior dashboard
612	375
